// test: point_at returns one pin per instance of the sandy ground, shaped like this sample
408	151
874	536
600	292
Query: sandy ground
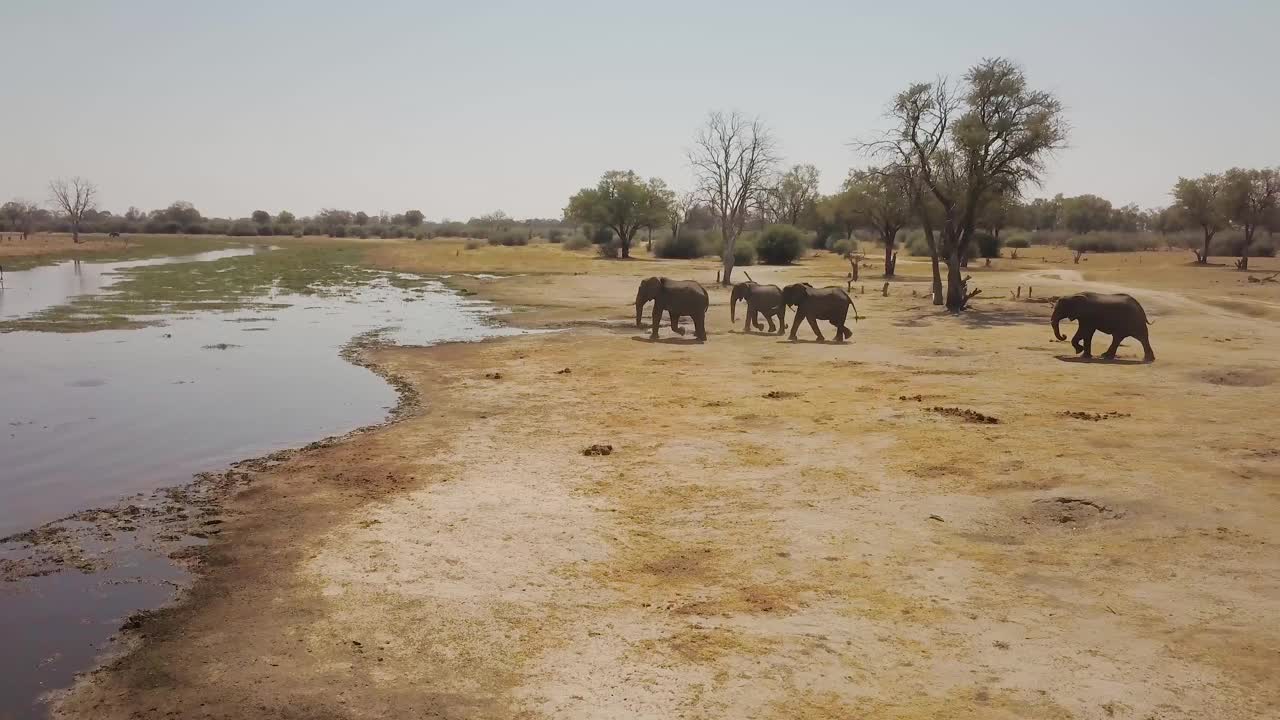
781	531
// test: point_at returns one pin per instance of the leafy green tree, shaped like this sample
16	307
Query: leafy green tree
284	217
260	217
1084	214
881	199
1250	198
413	218
1201	201
791	194
362	218
993	133
622	202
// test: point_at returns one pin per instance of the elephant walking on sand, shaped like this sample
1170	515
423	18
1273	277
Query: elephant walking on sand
763	300
830	303
677	298
1119	315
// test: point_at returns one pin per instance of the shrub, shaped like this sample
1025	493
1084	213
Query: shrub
780	245
690	244
555	235
297	233
988	245
576	242
1018	241
472	244
842	247
1105	242
421	235
602	236
916	244
611	250
509	238
744	254
242	228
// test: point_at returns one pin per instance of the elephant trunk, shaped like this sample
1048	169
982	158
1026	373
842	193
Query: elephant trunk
733	307
639	311
1057	318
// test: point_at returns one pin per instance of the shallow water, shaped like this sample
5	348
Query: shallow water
29	291
86	419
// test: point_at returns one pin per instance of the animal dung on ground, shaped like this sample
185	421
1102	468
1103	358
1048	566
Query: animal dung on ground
565	371
220	346
780	395
598	449
1095	417
916	398
494	375
966	415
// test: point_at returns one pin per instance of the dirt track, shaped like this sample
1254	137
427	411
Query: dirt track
783	530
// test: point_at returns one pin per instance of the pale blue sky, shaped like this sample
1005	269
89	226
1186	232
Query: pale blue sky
461	108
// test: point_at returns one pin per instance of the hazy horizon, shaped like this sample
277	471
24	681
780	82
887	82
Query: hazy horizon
457	111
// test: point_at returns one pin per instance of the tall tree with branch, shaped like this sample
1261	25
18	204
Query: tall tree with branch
622	202
1250	197
990	134
733	158
881	198
74	197
1202	202
787	197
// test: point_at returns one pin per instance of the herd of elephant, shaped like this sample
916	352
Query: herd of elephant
1119	315
687	298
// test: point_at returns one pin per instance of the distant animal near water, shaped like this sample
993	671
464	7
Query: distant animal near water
763	300
678	298
1119	315
830	303
113	234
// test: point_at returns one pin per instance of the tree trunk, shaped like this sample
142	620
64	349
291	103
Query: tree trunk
75	234
1204	258
649	240
625	242
955	284
1244	251
730	243
888	258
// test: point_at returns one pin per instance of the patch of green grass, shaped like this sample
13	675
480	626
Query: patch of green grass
143	295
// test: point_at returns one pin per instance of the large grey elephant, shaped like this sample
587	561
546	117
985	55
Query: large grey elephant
763	300
677	298
1119	315
829	303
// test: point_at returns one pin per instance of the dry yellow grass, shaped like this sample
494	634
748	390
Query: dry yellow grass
837	552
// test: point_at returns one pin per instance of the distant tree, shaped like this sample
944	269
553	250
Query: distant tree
1086	213
992	133
998	212
12	212
362	218
284	217
787	197
335	221
260	217
1044	214
1201	201
661	200
622	202
678	212
1250	198
881	198
1127	218
178	216
732	160
74	198
1166	220
497	219
413	218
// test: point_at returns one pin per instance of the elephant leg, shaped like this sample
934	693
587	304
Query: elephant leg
1147	354
657	319
1088	342
1077	341
795	322
755	320
746	322
700	326
675	323
769	318
813	325
1116	339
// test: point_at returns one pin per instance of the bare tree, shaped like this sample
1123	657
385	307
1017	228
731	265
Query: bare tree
787	196
733	159
679	209
75	197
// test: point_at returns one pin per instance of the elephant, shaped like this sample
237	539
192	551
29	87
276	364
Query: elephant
1119	315
677	298
763	300
830	303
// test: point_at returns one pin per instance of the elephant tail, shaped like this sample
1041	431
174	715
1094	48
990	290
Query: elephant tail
855	308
